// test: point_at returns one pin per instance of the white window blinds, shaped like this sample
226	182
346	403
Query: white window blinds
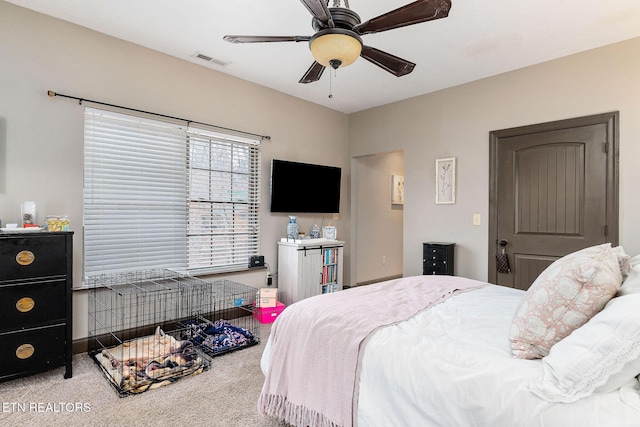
157	196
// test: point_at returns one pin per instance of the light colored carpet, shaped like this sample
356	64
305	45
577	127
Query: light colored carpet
225	395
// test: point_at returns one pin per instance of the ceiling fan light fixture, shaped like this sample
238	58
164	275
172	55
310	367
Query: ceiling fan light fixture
335	47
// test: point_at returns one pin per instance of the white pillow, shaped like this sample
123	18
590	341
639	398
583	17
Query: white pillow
563	298
624	260
600	356
631	284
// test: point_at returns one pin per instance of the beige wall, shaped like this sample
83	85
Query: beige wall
457	121
377	226
41	138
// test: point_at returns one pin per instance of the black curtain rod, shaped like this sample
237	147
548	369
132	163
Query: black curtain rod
52	94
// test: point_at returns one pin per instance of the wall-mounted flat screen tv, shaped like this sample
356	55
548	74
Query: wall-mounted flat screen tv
304	188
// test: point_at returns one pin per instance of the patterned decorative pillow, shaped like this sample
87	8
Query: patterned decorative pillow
564	297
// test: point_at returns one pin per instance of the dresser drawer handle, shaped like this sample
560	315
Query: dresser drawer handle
25	304
25	351
25	257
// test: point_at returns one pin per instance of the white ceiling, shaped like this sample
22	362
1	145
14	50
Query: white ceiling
477	40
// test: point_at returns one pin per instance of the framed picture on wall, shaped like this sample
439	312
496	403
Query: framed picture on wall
397	190
446	181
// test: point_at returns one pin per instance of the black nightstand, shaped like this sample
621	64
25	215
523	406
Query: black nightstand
437	258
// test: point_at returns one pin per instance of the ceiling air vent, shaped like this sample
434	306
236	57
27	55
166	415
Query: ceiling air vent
205	57
210	59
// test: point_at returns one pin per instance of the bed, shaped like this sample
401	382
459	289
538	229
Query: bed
460	359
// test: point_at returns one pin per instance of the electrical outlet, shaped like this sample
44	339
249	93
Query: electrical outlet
384	259
269	280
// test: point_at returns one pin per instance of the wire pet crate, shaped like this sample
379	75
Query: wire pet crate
141	325
230	326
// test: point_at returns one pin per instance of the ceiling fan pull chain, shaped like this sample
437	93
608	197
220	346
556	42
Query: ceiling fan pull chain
330	86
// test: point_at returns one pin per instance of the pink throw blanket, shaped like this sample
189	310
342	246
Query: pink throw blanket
317	346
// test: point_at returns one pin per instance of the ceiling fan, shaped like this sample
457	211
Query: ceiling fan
337	42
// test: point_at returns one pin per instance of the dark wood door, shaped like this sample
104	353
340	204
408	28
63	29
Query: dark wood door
553	191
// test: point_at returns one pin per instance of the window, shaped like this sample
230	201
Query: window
223	202
159	195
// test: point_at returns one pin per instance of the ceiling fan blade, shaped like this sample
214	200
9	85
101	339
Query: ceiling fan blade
412	13
313	74
320	11
396	66
266	39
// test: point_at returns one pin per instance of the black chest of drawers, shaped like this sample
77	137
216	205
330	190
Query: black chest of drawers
35	303
437	258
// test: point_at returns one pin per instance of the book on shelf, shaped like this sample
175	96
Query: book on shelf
328	288
330	256
329	273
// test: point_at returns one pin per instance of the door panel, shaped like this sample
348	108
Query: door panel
553	191
528	267
549	193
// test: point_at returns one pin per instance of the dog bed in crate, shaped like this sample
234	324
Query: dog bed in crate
150	362
218	337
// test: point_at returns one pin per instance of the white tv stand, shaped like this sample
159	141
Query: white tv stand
308	267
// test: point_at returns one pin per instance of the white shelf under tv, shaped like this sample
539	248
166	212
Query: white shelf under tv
308	267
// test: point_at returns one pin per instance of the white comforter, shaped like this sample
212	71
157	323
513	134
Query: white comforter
452	366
